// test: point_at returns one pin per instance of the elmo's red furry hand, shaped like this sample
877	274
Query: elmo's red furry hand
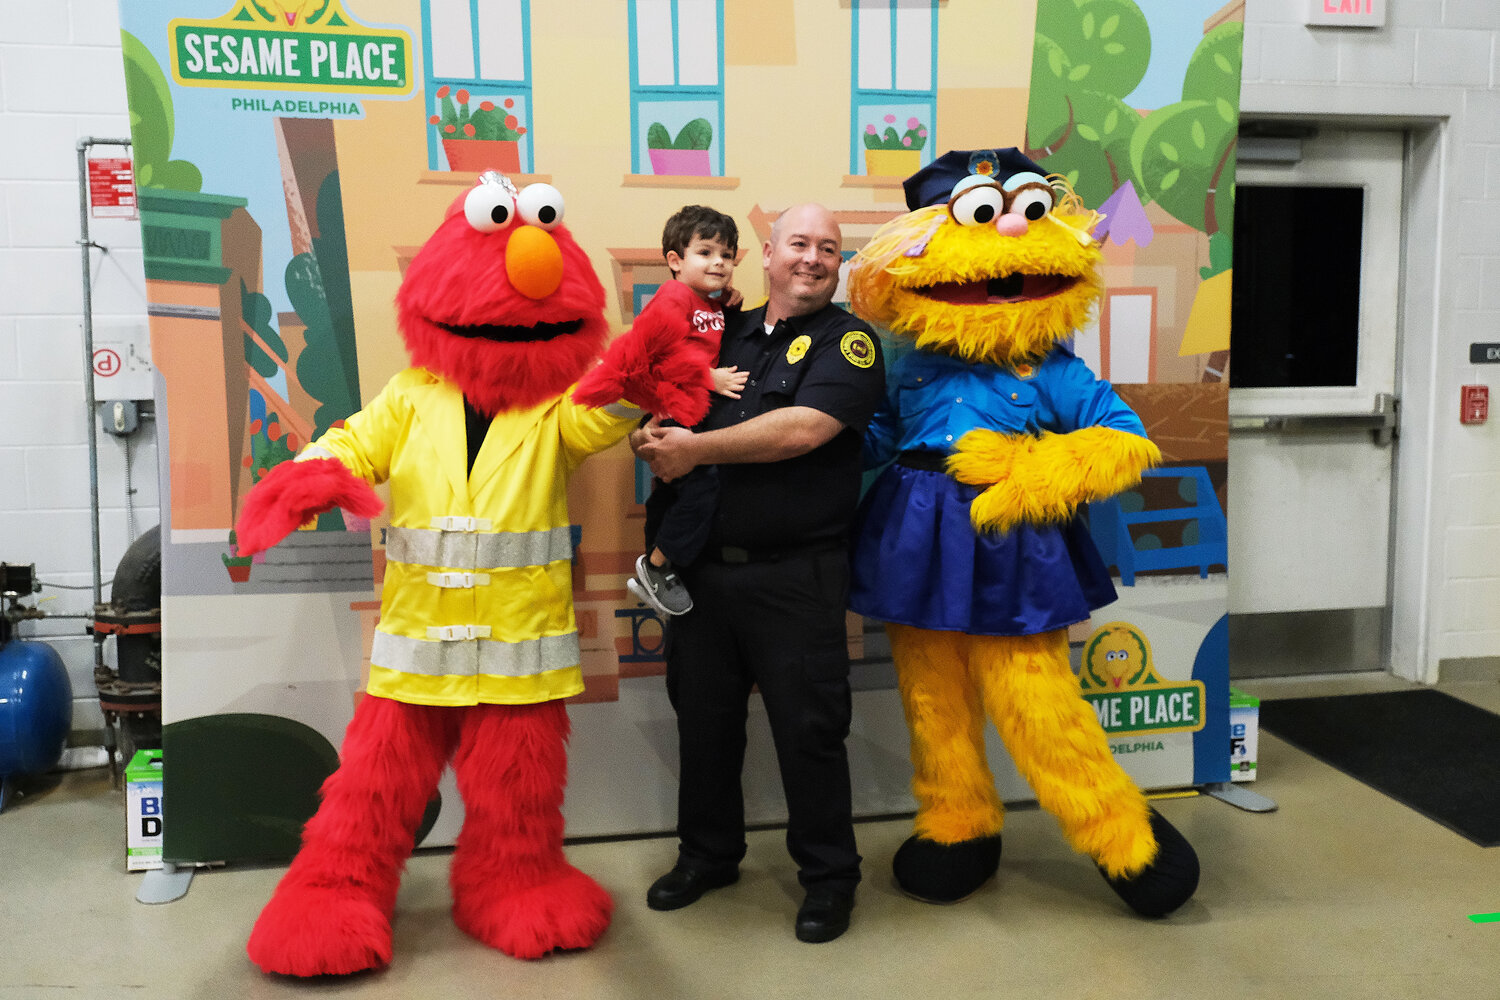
293	493
653	367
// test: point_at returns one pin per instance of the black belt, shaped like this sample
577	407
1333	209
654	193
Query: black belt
928	461
735	555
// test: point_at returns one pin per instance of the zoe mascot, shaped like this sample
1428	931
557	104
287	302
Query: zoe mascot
477	645
968	546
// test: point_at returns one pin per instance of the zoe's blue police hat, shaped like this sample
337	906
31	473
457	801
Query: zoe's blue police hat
933	184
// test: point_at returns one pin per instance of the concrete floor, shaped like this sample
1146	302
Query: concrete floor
1341	893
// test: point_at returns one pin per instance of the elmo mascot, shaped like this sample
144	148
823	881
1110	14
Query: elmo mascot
968	545
477	644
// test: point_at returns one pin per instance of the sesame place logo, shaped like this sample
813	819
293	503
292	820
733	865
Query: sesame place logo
291	45
1129	696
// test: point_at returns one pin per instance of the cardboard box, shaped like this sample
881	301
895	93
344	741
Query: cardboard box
143	811
1244	724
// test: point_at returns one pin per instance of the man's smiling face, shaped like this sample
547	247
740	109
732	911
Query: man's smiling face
802	260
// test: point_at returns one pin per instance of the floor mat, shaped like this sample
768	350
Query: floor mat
1425	749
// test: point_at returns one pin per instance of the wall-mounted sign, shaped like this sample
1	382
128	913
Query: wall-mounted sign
1346	13
1484	354
111	187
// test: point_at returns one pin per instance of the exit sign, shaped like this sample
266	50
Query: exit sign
1484	354
1346	13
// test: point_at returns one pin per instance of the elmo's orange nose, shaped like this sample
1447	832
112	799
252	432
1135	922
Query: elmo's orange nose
533	262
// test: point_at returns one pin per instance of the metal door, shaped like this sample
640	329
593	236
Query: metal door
1312	401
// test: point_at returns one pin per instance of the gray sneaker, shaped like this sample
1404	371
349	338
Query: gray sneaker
659	587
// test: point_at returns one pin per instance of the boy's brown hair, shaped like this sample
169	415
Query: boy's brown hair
692	221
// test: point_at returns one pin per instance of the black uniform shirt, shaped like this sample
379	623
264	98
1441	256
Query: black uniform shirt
829	361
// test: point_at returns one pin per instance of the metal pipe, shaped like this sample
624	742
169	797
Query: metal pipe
85	243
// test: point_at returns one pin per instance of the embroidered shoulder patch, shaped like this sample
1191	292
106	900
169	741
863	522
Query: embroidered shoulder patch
858	349
798	349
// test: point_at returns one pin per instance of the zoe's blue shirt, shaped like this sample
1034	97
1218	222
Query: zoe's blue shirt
932	400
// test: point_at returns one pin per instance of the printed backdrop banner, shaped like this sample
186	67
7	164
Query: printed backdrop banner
292	156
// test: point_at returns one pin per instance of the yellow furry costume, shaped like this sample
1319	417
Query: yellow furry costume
968	546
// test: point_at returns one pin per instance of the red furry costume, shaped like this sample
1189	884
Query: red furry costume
675	314
477	643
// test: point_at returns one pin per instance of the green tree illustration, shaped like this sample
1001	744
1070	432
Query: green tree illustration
317	283
1182	155
152	123
1088	54
257	311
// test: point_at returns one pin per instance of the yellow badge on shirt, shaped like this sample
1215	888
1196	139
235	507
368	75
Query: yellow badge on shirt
1024	371
858	349
798	350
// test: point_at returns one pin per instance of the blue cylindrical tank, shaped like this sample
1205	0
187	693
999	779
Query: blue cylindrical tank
36	707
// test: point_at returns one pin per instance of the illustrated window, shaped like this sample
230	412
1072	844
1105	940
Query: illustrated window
894	87
677	87
478	76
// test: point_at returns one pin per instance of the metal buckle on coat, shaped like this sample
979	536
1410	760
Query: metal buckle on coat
449	633
458	580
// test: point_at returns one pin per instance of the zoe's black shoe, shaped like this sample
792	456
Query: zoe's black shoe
1168	881
945	873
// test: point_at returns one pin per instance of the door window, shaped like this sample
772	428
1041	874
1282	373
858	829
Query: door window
1294	321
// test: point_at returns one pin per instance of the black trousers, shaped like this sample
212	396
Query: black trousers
679	514
779	625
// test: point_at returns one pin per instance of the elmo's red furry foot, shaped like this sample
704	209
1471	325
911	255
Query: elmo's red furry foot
307	931
569	911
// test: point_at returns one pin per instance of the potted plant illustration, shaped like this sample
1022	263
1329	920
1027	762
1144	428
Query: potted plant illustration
684	156
486	139
892	154
237	565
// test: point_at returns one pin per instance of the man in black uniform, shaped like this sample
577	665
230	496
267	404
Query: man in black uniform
771	589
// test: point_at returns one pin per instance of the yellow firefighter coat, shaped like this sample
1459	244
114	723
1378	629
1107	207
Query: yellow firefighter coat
477	605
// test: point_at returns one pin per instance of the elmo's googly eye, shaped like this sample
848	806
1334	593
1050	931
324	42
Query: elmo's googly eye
977	206
490	208
541	205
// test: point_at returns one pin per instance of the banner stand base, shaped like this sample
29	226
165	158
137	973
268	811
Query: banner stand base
1240	797
165	884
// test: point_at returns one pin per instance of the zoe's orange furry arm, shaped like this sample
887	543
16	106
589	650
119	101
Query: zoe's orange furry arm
1039	480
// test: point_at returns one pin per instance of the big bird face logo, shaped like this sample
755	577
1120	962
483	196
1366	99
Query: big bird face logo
1000	269
1116	657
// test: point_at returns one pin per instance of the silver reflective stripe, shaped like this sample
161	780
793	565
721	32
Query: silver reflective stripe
623	410
313	451
478	550
474	656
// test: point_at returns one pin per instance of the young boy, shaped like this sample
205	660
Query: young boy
700	245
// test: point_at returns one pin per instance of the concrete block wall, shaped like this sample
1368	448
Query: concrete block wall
61	80
1435	65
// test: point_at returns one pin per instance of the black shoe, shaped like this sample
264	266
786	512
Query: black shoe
824	915
685	884
945	873
1168	881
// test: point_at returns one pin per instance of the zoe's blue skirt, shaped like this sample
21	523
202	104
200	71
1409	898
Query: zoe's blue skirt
918	561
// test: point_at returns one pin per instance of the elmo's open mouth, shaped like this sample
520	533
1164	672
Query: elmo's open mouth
1008	288
513	334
